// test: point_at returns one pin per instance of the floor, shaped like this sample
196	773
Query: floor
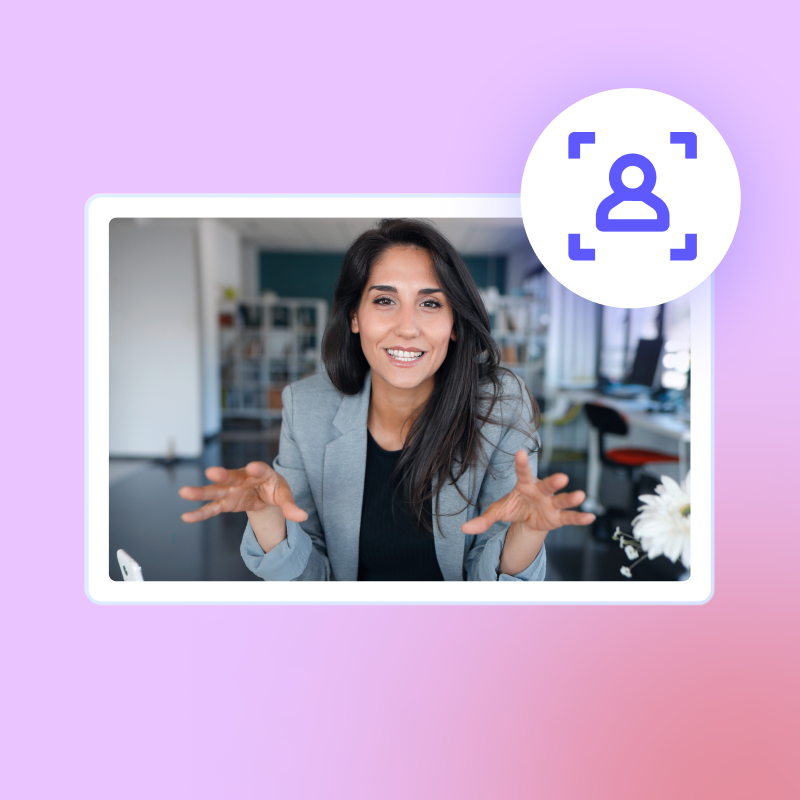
145	509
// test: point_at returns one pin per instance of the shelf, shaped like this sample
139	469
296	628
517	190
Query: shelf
283	349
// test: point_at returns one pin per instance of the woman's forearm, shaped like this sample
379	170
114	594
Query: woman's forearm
521	548
269	527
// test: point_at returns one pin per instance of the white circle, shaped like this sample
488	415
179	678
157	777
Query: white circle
560	196
632	177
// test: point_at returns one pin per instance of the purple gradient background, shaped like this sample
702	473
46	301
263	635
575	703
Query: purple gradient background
389	702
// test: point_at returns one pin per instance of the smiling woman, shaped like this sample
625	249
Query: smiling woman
405	328
413	458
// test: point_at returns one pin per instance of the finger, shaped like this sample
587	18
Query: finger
507	509
226	477
204	493
576	518
285	500
552	483
568	499
293	512
220	474
478	525
523	469
204	512
259	471
255	472
483	522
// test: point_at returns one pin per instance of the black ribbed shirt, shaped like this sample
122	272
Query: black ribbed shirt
390	547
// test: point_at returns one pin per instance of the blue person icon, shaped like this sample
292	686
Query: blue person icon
642	193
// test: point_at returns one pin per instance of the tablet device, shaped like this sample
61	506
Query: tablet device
131	571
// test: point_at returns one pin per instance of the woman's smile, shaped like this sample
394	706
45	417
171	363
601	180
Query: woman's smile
402	357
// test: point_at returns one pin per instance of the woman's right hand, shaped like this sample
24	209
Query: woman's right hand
256	489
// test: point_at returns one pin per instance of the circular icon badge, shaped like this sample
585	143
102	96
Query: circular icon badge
630	198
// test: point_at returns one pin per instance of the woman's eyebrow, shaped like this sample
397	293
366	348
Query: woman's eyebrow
383	288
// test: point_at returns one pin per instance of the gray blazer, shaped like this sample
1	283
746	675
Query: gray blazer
323	453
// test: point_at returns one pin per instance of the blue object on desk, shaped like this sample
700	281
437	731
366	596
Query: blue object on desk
626	391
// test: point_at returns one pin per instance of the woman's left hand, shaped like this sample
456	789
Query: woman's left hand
533	503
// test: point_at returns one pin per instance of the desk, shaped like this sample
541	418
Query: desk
675	427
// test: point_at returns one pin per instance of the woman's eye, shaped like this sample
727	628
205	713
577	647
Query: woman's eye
387	301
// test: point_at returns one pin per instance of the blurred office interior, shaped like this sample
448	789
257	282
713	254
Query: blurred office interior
210	319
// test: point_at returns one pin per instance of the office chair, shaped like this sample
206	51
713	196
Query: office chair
630	460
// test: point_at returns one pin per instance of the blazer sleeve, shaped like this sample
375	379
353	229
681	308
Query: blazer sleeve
302	555
482	561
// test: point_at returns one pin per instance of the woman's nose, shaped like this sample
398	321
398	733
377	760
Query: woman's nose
407	324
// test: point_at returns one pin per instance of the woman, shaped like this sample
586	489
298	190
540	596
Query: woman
410	459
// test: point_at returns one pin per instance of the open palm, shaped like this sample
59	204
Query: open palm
254	488
533	503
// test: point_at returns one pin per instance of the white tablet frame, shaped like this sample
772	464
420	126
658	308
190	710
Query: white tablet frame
100	588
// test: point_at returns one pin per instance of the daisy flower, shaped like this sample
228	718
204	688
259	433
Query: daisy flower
663	526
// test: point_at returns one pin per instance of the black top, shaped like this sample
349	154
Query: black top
391	547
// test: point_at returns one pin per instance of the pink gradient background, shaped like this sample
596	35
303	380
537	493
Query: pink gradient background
388	702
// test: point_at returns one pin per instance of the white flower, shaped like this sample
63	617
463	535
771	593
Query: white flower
631	552
664	524
626	571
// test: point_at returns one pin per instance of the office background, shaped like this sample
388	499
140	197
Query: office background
305	702
210	319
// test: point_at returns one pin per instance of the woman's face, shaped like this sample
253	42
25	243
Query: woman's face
404	320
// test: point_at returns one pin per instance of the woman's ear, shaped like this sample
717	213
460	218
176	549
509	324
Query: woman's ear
453	334
354	323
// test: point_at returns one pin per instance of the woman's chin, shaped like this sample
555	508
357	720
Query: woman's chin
402	379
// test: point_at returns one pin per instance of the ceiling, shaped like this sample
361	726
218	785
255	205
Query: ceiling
469	236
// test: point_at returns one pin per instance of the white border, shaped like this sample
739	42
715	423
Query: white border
101	209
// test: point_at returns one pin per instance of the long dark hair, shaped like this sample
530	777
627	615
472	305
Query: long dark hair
444	439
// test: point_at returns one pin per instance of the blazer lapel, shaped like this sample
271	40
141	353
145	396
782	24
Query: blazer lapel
448	539
343	483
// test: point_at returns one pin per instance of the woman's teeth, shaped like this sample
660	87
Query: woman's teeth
404	355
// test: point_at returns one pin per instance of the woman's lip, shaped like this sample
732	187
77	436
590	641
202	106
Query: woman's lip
399	363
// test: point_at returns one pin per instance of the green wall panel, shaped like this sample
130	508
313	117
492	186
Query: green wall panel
300	274
315	274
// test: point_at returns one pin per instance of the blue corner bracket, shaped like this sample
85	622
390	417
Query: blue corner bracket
576	252
686	138
689	251
576	139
